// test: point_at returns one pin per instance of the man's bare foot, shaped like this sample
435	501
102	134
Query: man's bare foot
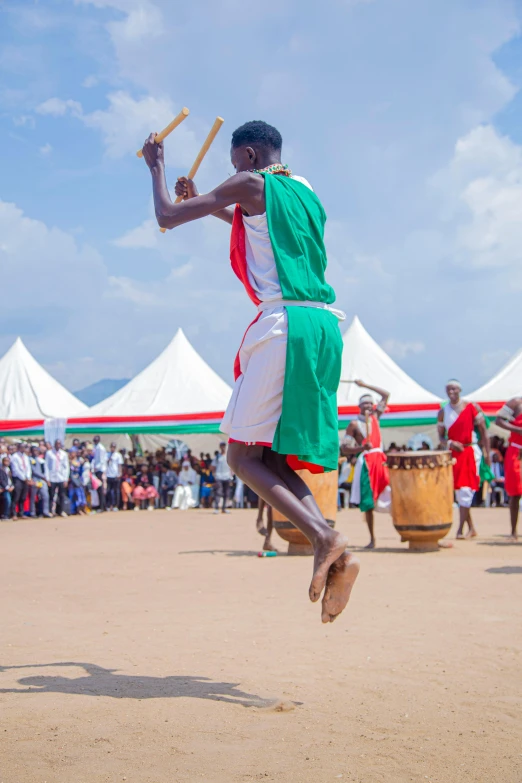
371	545
268	546
513	538
341	578
460	536
325	553
261	529
471	534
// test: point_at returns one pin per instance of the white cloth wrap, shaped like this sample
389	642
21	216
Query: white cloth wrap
383	503
255	407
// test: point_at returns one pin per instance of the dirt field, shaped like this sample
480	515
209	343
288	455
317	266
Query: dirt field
157	648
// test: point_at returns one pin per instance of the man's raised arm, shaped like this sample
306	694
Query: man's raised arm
239	188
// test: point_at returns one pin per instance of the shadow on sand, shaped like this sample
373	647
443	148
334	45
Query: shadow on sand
505	570
98	681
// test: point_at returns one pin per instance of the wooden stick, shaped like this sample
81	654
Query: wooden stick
184	113
201	154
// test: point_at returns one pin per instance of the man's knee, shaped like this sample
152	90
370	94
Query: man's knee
239	456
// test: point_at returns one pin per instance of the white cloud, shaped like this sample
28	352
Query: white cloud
126	123
90	81
130	290
26	120
400	350
45	150
56	107
482	192
144	236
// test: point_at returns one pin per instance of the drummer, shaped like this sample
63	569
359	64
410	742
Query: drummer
457	420
370	486
509	418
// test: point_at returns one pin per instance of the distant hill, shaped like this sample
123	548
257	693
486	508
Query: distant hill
100	390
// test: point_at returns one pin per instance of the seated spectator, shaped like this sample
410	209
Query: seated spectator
207	487
183	497
168	483
144	491
127	486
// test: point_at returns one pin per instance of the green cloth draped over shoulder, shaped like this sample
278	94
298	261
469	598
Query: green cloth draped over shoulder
308	427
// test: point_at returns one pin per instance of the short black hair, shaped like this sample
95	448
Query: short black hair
258	132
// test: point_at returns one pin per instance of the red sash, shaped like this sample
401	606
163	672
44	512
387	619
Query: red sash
465	468
375	433
238	253
376	460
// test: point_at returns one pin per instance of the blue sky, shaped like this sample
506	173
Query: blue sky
405	116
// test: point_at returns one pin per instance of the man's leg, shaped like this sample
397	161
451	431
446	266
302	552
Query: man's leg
44	495
218	492
514	506
226	487
7	498
61	498
297	504
472	533
463	518
267	545
32	500
101	490
19	495
52	493
369	521
261	529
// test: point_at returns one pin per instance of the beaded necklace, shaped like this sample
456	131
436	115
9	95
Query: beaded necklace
275	168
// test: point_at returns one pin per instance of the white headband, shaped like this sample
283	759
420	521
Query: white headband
366	397
454	382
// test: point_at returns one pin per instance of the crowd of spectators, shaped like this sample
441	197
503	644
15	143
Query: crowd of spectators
42	479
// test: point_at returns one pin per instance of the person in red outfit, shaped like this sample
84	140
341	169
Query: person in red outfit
509	418
457	421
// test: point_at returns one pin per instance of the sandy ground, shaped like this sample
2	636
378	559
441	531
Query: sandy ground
156	647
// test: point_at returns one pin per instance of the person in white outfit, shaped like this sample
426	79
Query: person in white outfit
183	497
57	461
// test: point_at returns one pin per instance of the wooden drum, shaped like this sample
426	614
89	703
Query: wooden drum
422	496
324	490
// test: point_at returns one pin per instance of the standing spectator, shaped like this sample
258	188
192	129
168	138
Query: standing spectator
21	473
77	496
57	461
114	471
223	477
40	486
99	466
6	488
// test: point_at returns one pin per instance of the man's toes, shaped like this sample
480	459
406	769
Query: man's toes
317	584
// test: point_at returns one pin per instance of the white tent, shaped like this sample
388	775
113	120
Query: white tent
27	391
178	381
365	360
507	383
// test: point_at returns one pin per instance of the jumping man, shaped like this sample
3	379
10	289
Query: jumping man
456	426
509	418
283	411
371	484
